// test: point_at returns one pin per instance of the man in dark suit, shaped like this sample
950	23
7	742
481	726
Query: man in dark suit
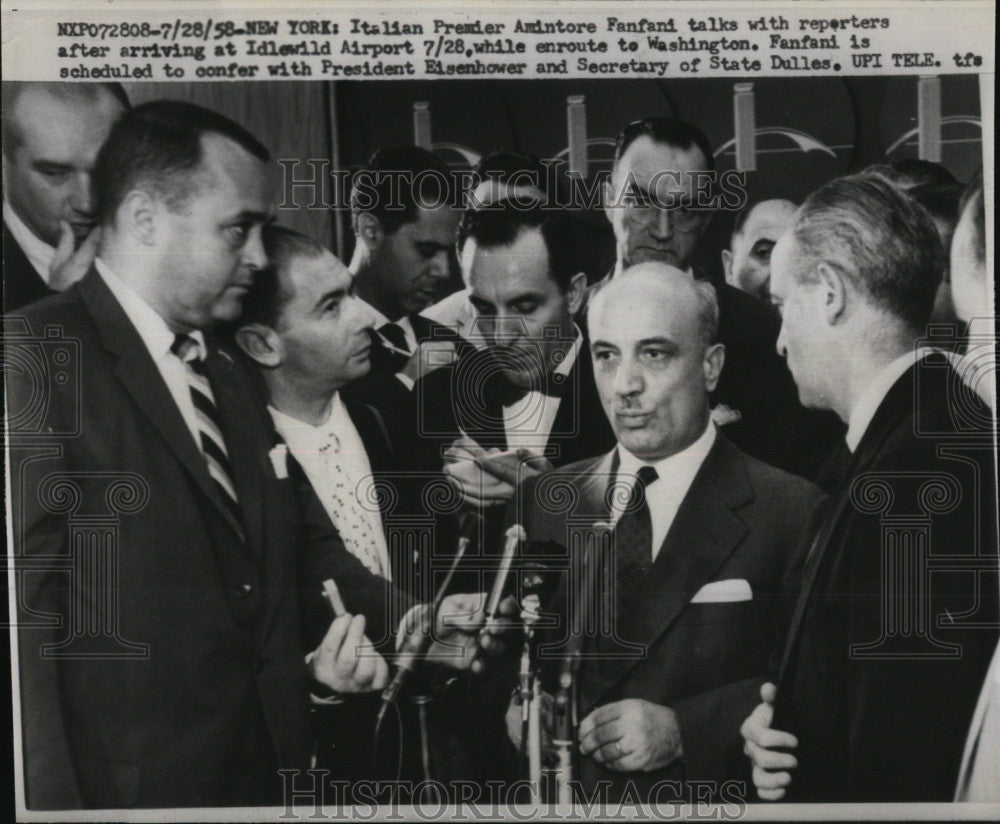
896	615
660	199
703	537
51	135
527	400
181	678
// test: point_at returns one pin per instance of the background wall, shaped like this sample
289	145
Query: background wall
809	129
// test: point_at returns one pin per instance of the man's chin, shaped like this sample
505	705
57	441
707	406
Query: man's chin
645	255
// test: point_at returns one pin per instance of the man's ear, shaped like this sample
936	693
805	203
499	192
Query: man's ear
610	198
715	358
727	266
137	214
575	293
834	291
262	344
370	230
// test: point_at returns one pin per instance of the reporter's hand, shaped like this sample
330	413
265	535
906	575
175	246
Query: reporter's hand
459	636
69	263
345	661
761	745
514	468
479	489
631	735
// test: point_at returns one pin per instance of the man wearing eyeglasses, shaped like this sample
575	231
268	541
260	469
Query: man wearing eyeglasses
660	199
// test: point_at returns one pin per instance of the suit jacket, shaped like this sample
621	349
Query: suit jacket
178	678
21	283
741	520
757	387
894	625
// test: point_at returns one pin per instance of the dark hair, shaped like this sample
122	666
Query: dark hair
914	172
502	224
13	89
396	182
158	145
669	130
941	202
972	197
877	237
271	290
743	214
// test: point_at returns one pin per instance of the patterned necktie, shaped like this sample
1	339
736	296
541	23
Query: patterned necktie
394	333
634	539
355	528
211	441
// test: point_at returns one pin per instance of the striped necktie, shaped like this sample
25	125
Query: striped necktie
213	445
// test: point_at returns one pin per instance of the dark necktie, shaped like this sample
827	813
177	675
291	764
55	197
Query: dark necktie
211	440
634	539
394	333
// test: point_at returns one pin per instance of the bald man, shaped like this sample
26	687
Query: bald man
704	536
747	261
51	135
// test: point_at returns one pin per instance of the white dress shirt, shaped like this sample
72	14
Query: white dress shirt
867	405
309	444
675	475
158	338
36	250
457	312
528	422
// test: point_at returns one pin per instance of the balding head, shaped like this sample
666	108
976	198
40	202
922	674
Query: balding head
651	332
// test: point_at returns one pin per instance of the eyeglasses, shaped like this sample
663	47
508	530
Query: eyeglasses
683	217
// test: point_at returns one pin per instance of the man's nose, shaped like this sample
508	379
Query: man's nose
254	255
780	344
438	265
628	379
358	313
81	200
662	227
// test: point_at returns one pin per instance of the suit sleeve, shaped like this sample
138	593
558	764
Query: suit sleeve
42	612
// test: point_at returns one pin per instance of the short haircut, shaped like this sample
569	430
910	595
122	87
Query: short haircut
881	240
158	145
708	312
396	182
972	198
671	131
741	216
915	172
502	224
13	89
270	290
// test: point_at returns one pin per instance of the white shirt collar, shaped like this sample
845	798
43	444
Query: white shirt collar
152	328
566	364
680	468
36	250
295	431
870	400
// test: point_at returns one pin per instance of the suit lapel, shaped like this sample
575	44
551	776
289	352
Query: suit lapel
142	380
704	533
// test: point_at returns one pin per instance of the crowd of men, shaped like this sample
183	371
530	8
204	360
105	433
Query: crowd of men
796	472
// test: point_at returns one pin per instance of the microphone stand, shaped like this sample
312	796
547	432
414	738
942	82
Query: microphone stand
530	694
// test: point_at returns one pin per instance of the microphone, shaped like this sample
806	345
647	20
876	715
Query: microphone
416	644
515	536
588	606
